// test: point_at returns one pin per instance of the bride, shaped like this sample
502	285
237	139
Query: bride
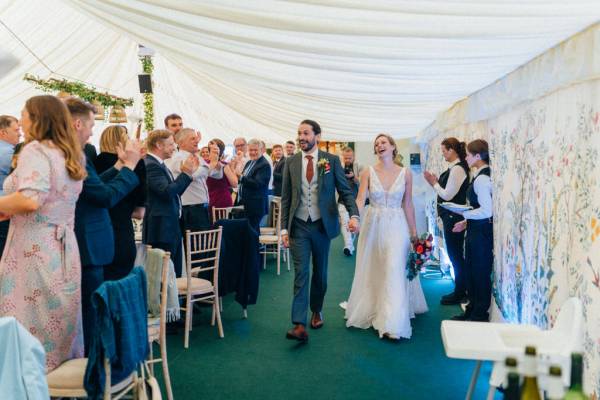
382	296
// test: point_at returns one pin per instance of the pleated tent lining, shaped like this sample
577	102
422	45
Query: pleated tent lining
257	68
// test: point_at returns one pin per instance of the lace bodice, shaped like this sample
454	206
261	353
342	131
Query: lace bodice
379	198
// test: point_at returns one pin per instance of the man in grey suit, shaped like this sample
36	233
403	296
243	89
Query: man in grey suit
309	216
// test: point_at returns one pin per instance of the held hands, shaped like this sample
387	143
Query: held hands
430	178
130	154
460	226
190	165
353	225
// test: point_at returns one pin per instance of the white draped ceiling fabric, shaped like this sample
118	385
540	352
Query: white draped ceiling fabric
257	68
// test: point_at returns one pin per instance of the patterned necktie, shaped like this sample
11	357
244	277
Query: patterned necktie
310	169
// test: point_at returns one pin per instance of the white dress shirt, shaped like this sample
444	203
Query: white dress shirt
455	180
483	189
197	191
266	156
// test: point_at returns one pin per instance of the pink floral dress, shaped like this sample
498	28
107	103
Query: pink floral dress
40	270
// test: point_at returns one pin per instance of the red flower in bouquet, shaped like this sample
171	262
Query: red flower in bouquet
420	253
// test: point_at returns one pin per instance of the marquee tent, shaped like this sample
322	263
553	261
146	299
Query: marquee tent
257	68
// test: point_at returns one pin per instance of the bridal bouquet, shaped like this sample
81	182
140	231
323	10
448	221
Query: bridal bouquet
420	253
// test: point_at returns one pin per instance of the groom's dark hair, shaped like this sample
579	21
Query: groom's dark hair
315	126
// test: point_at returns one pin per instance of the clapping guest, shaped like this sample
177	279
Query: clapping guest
10	133
163	196
241	155
219	190
253	185
479	241
205	154
40	272
278	163
194	199
263	151
112	142
452	187
93	226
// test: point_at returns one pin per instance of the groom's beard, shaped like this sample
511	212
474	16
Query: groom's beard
309	145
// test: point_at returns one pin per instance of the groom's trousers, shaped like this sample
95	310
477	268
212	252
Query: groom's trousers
308	238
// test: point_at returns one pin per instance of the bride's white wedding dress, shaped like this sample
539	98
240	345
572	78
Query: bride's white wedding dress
382	296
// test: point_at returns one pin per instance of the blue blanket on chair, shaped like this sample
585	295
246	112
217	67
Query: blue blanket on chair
120	331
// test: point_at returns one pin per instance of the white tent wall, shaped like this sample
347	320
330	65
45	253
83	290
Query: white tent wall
544	136
77	47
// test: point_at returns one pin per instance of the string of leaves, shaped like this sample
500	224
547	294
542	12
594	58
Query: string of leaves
148	68
78	89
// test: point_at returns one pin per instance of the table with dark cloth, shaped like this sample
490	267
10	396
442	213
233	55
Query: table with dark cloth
239	263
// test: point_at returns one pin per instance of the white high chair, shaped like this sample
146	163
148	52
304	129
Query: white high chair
484	341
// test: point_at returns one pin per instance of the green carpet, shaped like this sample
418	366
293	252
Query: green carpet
255	361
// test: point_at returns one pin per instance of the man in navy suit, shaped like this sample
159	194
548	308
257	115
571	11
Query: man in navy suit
309	220
163	200
92	222
253	185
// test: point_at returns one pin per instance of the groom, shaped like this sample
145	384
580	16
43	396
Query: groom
309	216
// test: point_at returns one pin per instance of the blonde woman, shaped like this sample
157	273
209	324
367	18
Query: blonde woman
40	271
382	297
131	206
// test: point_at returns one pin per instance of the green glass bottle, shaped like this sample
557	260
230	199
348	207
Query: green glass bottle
511	392
575	391
530	389
510	363
555	389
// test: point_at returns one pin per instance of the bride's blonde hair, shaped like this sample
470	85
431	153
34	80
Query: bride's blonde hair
397	157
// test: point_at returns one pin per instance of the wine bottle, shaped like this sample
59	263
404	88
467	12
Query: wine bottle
575	391
555	389
530	389
510	363
512	388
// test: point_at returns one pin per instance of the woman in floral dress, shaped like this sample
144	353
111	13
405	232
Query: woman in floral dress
40	272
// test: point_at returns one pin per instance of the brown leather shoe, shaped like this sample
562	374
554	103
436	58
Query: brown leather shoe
298	332
316	321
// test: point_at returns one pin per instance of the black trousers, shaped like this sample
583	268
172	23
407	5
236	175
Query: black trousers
455	243
479	261
3	234
195	218
92	276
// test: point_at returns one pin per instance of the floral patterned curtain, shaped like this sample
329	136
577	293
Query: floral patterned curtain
545	159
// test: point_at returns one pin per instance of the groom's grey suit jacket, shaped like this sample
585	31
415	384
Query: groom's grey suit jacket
328	183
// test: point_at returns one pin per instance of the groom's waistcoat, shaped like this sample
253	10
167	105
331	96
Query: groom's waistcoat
309	195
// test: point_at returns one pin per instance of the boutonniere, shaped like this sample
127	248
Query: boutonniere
324	166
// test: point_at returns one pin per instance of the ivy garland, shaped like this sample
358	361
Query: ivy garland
148	67
78	89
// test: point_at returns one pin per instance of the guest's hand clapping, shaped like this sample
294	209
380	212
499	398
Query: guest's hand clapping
190	165
213	153
130	154
430	178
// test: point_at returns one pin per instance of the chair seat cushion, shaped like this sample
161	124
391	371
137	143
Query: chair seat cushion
198	285
68	375
268	238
